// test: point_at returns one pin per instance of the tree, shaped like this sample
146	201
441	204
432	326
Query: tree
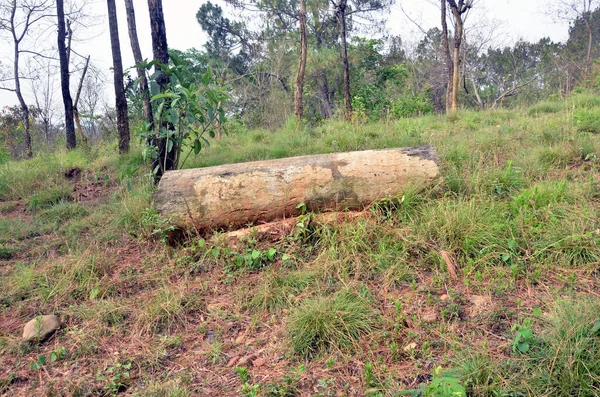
138	59
120	99
19	18
344	11
64	76
298	96
166	154
447	56
459	11
579	11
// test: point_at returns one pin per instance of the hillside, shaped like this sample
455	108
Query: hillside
487	281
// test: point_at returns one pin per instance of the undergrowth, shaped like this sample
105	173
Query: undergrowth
482	283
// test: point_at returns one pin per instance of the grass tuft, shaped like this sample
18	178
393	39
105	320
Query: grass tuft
324	324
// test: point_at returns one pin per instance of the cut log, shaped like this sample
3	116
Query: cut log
235	195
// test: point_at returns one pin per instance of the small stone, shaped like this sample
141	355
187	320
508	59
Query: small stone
444	297
431	317
410	347
211	336
40	327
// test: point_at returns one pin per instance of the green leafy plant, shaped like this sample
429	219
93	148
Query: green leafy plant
185	113
116	377
60	353
524	337
287	386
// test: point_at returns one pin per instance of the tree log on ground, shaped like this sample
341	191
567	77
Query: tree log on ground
235	195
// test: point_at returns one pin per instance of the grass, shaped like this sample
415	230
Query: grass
330	323
438	276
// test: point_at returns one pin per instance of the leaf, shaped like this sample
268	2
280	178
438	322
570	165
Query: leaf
216	252
523	347
596	327
255	254
512	244
505	257
272	253
449	263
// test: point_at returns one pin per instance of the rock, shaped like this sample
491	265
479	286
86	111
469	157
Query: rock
410	347
444	297
40	327
430	317
211	336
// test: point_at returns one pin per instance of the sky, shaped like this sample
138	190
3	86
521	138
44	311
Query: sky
516	19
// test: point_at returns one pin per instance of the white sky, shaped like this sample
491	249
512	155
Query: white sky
518	18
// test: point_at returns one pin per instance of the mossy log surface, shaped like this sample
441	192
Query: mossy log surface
235	195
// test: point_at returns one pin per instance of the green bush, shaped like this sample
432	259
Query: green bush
547	107
587	120
415	105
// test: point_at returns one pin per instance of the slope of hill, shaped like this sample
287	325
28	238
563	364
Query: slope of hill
485	283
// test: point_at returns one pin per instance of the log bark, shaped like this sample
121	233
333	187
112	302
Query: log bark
230	196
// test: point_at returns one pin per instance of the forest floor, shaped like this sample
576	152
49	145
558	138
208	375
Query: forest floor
486	282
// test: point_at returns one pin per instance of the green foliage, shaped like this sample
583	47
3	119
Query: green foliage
117	377
60	353
410	106
547	107
587	120
524	338
329	323
185	113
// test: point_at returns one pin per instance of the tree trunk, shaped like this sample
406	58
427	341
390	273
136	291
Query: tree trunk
166	159
64	77
588	54
22	103
456	71
476	91
234	195
75	110
138	59
120	99
298	97
341	19
448	57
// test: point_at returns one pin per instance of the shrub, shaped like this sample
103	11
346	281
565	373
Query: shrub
587	120
415	105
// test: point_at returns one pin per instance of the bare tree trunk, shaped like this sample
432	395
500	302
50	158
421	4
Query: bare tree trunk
75	110
458	33
138	59
22	103
479	102
448	57
341	19
64	77
588	54
120	99
166	159
298	97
